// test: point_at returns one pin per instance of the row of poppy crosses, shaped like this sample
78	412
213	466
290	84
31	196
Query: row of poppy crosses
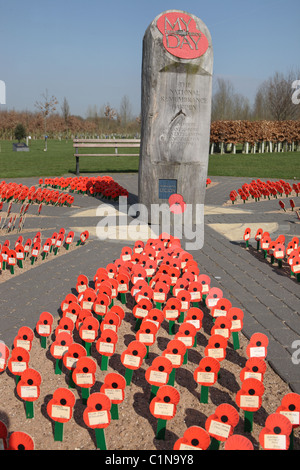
18	192
258	189
277	249
33	247
154	271
103	186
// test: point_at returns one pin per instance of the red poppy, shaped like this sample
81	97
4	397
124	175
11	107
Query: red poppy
150	267
186	334
194	316
164	404
206	373
71	356
236	316
275	435
88	331
221	308
138	246
249	397
238	442
111	321
119	311
101	304
145	292
156	316
28	387
185	298
114	387
60	407
67	300
158	373
106	344
4	355
24	338
257	346
265	241
194	438
20	441
213	296
216	347
160	292
247	233
97	412
88	298
181	284
258	234
133	356
222	326
220	425
279	251
65	325
19	252
126	253
195	291
84	236
146	333
82	283
175	352
290	407
60	345
18	361
84	372
255	368
69	238
111	270
172	308
204	280
72	311
295	265
123	283
44	324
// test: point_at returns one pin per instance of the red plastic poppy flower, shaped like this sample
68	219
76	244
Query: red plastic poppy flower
24	338
72	311
97	412
138	246
194	316
60	345
123	282
28	387
164	404
101	304
204	280
106	344
221	308
65	325
20	441
175	352
238	442
255	368
247	233
216	347
249	397
290	407
150	267
158	373
213	296
236	316
156	316
181	284
132	357
177	204
186	334
185	298
70	298
114	387
18	361
88	330
147	333
194	438
84	236
111	321
119	311
60	407
172	310
111	270
220	425
257	346
88	298
4	355
126	253
160	292
194	289
222	326
71	356
84	372
44	324
82	283
276	433
206	373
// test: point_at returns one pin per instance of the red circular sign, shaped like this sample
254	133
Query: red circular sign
180	35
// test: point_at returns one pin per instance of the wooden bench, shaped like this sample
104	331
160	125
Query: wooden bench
103	143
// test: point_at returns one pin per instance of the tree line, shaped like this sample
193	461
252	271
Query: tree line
273	102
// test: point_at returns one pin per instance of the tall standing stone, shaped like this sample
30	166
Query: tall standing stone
176	110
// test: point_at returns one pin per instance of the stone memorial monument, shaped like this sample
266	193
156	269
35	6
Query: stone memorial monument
176	112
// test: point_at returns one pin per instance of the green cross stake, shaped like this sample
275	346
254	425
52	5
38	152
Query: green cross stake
58	366
29	409
204	394
248	423
161	428
43	341
100	439
171	327
58	431
128	376
114	411
154	389
235	338
104	362
171	380
85	393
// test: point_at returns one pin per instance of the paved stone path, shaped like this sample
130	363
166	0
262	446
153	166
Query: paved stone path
268	297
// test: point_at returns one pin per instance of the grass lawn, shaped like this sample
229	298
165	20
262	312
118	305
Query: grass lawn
59	160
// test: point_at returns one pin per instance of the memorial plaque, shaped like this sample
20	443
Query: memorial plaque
176	110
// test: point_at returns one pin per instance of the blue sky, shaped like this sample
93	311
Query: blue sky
91	51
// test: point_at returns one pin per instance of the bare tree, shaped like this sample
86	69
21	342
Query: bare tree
46	106
65	109
275	96
227	104
125	110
